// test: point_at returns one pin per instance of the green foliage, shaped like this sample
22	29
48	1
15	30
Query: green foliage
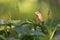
27	29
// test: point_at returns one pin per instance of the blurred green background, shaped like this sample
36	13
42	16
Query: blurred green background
21	9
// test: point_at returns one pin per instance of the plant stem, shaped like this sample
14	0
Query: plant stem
10	17
51	37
